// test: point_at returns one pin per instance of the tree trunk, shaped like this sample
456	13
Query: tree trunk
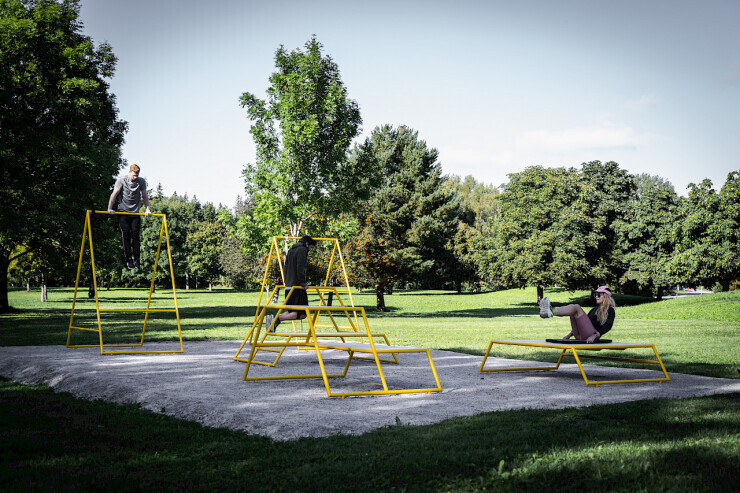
210	286
28	285
379	298
43	288
187	281
459	286
540	293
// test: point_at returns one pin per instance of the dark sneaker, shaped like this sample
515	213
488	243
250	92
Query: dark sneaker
130	264
137	265
545	308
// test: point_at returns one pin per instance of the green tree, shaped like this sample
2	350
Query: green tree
183	216
543	232
60	135
729	227
407	227
478	203
239	270
613	193
648	229
204	245
706	235
302	133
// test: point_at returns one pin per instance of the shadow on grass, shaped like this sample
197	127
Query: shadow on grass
57	442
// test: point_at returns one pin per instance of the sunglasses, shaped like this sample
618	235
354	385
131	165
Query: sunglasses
599	294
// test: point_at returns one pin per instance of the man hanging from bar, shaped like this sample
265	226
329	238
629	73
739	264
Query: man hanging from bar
133	189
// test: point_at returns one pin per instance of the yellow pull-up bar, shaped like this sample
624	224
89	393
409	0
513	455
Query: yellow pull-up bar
115	213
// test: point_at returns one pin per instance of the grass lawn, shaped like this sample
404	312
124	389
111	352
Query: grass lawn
57	442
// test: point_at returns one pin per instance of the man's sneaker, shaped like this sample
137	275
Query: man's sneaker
130	263
268	323
545	308
137	265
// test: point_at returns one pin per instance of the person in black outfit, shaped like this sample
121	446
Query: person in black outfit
295	277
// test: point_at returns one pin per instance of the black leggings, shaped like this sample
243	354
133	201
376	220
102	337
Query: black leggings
130	226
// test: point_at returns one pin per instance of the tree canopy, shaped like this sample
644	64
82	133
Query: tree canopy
303	132
543	233
60	135
409	223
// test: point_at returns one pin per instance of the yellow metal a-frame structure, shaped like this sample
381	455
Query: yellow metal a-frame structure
87	235
354	338
324	291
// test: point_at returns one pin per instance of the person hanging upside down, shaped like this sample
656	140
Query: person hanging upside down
585	327
133	189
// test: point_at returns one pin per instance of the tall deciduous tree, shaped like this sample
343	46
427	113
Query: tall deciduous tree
478	205
610	201
706	235
60	135
302	133
543	233
648	229
205	243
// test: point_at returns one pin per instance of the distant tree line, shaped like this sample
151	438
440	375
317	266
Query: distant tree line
401	222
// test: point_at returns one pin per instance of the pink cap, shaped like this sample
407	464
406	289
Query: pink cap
603	289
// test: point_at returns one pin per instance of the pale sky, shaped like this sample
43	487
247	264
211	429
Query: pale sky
494	85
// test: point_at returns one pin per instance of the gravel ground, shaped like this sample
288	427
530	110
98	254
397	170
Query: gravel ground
204	384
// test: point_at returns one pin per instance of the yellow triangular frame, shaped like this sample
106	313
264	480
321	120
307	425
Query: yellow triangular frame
321	290
87	234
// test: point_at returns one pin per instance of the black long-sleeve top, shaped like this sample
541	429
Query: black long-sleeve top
606	327
295	265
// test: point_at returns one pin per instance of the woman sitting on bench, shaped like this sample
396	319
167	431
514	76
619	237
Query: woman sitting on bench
586	327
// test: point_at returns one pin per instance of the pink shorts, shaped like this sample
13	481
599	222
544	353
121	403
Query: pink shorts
582	327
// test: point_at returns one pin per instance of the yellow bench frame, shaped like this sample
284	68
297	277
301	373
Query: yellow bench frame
313	340
573	350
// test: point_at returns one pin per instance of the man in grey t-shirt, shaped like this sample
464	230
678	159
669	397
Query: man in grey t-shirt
133	189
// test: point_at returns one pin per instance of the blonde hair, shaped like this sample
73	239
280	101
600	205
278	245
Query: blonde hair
602	312
134	167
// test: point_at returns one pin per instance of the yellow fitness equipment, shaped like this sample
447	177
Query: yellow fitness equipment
323	291
574	349
87	233
337	337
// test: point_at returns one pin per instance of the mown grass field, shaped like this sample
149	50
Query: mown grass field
694	334
57	442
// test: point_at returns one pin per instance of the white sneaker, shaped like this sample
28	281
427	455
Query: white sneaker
545	308
268	323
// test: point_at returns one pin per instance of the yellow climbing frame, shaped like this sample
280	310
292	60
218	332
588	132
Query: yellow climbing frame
324	292
574	350
318	342
347	326
87	234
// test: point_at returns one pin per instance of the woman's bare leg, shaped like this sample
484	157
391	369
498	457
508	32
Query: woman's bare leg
570	311
573	311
